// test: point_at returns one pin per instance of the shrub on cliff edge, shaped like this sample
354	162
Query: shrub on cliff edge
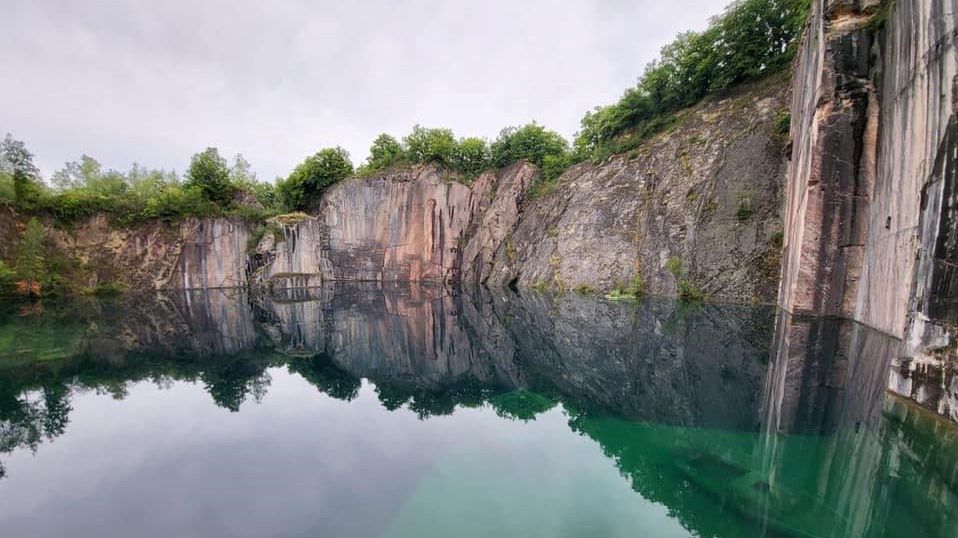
531	142
313	176
384	152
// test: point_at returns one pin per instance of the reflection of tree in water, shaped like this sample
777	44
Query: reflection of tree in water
430	402
320	371
29	418
669	376
35	399
230	382
521	405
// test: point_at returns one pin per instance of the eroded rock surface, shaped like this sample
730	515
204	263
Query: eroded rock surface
195	253
406	225
708	193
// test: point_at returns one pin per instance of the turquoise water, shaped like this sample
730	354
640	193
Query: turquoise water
418	412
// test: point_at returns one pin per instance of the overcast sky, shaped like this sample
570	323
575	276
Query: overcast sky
154	82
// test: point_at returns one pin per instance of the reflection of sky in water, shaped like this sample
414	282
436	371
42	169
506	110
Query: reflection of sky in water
168	463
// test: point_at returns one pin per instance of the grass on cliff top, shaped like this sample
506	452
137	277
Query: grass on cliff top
290	219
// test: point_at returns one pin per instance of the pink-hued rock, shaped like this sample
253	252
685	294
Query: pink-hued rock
834	121
403	225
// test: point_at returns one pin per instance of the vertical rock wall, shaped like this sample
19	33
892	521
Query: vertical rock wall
212	255
918	69
834	109
869	214
395	229
195	253
406	225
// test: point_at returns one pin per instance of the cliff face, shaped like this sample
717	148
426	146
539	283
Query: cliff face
870	226
406	225
192	254
707	193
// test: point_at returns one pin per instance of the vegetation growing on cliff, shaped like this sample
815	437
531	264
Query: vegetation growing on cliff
313	176
209	174
687	290
470	156
752	38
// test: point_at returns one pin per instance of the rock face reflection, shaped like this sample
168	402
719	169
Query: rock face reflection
694	366
741	423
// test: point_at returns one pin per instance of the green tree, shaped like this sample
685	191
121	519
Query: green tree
386	151
531	142
471	156
77	174
30	264
243	177
241	171
314	175
431	145
17	162
210	173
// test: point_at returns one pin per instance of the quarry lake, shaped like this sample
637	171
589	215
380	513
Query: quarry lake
425	412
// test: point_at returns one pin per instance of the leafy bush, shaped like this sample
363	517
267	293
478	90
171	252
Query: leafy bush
631	290
687	290
531	142
553	165
175	201
312	176
784	123
674	266
468	156
690	292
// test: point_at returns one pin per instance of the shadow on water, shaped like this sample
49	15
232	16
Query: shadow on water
739	420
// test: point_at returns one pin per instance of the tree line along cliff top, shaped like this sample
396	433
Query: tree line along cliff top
751	38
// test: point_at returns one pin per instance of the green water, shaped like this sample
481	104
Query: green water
417	412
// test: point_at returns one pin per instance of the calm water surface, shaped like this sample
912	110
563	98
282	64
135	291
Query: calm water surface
416	412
